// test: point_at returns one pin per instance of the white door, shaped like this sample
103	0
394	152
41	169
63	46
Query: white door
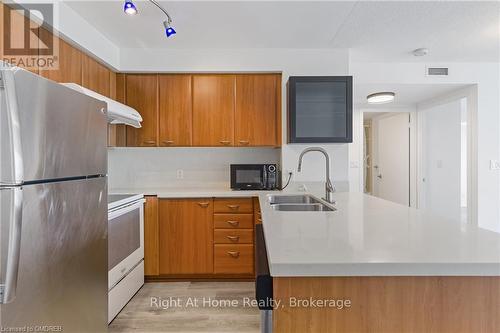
392	158
444	160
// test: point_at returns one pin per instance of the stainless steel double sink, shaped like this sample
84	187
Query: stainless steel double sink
298	203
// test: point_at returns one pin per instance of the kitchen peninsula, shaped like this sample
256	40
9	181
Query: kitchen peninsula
370	252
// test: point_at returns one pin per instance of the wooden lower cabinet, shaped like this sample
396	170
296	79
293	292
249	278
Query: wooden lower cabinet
187	239
233	259
186	236
151	237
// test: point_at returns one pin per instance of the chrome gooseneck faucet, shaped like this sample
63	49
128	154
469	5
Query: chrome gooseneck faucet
329	188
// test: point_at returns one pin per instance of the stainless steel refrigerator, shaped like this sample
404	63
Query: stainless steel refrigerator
53	206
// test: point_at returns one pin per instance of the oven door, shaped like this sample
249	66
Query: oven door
248	176
125	240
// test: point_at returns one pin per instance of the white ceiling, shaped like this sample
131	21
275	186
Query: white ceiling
374	30
407	95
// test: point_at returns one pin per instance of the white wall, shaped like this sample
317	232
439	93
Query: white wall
484	96
157	167
288	61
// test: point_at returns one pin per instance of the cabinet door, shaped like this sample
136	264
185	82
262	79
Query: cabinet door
186	236
175	110
95	76
213	110
70	64
256	113
142	95
151	237
320	109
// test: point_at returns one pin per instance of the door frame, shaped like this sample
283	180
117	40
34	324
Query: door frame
470	94
413	147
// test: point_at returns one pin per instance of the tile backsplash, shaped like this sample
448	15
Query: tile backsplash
161	167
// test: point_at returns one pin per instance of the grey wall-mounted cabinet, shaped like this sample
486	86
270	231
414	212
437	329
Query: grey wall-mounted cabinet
319	109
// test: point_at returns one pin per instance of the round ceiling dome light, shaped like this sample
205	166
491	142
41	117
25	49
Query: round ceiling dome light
380	97
423	51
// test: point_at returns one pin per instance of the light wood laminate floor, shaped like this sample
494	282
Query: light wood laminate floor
142	314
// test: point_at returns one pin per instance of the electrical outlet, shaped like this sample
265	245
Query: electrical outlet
494	165
180	174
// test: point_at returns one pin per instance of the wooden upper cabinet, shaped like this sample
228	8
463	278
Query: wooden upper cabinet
186	236
70	64
95	76
213	110
142	95
257	112
175	118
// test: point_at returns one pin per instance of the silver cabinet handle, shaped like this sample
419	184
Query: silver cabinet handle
149	142
168	142
233	223
234	254
225	142
203	204
8	289
233	207
244	142
233	238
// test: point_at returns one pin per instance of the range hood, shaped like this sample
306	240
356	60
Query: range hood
118	113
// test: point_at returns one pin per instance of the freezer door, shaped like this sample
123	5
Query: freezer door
48	131
62	266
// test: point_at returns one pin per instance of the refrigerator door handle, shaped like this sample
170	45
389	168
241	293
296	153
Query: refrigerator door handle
7	84
8	289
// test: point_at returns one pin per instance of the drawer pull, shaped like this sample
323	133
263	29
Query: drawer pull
149	142
244	142
233	207
225	142
260	220
168	142
234	223
234	254
203	204
233	238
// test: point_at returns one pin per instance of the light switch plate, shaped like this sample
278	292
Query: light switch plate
180	174
494	165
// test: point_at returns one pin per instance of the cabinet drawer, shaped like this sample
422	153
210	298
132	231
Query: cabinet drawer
233	221
234	259
233	205
233	236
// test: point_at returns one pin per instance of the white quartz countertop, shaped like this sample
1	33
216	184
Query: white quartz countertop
368	236
189	192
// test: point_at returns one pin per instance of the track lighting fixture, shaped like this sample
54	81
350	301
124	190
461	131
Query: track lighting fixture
129	8
168	29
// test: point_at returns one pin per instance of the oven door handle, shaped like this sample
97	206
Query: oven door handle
125	209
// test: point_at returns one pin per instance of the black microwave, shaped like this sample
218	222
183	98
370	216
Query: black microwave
254	177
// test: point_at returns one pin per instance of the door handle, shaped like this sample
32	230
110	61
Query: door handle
203	204
234	223
233	238
234	254
8	289
379	176
225	142
233	207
